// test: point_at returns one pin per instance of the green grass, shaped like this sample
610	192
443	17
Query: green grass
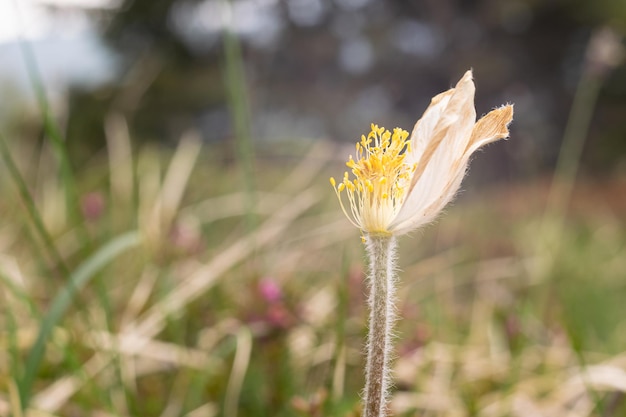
172	283
486	327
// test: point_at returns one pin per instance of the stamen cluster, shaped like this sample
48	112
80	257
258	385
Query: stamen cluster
381	178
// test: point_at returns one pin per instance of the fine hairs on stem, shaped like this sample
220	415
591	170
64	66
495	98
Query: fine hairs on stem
381	282
399	183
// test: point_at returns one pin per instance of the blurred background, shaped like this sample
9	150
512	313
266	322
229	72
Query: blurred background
315	69
170	245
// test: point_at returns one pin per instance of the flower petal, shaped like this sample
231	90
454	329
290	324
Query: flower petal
423	129
490	128
436	154
453	127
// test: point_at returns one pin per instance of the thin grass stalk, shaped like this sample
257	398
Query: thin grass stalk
239	107
339	374
53	132
53	397
121	168
564	177
63	300
381	281
576	131
14	399
596	68
240	367
33	213
12	328
31	207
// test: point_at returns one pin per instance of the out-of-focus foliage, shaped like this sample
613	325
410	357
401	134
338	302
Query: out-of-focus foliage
498	316
510	306
326	69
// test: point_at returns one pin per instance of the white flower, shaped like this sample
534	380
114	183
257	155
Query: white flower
402	183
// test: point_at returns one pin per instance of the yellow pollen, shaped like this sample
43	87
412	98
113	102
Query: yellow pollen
381	175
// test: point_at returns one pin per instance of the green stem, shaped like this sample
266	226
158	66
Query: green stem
59	145
381	251
571	150
63	301
31	207
240	111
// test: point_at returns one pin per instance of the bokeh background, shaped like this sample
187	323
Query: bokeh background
170	244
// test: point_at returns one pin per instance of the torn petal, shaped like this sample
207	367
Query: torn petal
491	127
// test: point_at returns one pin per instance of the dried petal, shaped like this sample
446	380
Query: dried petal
411	188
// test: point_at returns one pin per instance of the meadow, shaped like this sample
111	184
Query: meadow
148	284
223	280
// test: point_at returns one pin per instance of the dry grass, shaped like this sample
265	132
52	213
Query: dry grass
500	315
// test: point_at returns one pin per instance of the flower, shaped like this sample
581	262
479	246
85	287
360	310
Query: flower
400	182
270	290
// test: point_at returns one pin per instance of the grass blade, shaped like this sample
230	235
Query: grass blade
61	302
31	208
54	134
240	110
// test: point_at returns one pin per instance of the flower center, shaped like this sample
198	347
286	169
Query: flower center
381	179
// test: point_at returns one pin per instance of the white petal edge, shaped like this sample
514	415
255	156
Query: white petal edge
446	144
490	128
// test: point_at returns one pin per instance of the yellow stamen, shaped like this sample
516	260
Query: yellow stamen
381	174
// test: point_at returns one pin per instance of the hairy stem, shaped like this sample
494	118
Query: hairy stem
381	250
